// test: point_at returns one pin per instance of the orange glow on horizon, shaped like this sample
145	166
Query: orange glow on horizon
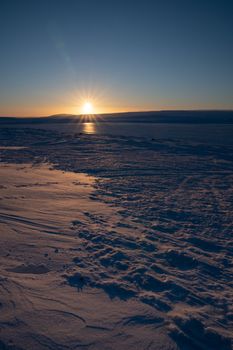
74	106
94	100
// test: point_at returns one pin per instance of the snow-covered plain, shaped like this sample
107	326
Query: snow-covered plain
112	242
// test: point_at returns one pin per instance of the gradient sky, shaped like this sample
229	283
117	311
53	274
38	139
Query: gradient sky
121	54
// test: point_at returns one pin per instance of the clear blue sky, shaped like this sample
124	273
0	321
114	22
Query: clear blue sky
121	55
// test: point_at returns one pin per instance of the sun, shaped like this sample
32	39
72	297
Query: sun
87	108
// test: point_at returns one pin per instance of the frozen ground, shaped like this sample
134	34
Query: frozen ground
114	242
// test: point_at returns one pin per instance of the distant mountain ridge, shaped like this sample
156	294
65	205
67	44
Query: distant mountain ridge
182	116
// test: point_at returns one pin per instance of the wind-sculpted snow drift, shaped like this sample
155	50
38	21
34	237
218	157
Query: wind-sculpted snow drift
137	254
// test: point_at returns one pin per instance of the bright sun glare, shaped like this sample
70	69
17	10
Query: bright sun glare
87	108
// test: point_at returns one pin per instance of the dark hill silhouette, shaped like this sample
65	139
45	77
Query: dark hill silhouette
183	116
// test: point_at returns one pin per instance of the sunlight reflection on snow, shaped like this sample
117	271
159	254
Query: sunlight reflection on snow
89	128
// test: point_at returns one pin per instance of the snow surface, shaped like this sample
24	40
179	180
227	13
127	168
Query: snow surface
112	242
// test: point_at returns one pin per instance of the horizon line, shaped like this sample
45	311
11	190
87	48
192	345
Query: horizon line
122	112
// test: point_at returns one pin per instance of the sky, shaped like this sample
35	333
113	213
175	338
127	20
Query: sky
120	55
